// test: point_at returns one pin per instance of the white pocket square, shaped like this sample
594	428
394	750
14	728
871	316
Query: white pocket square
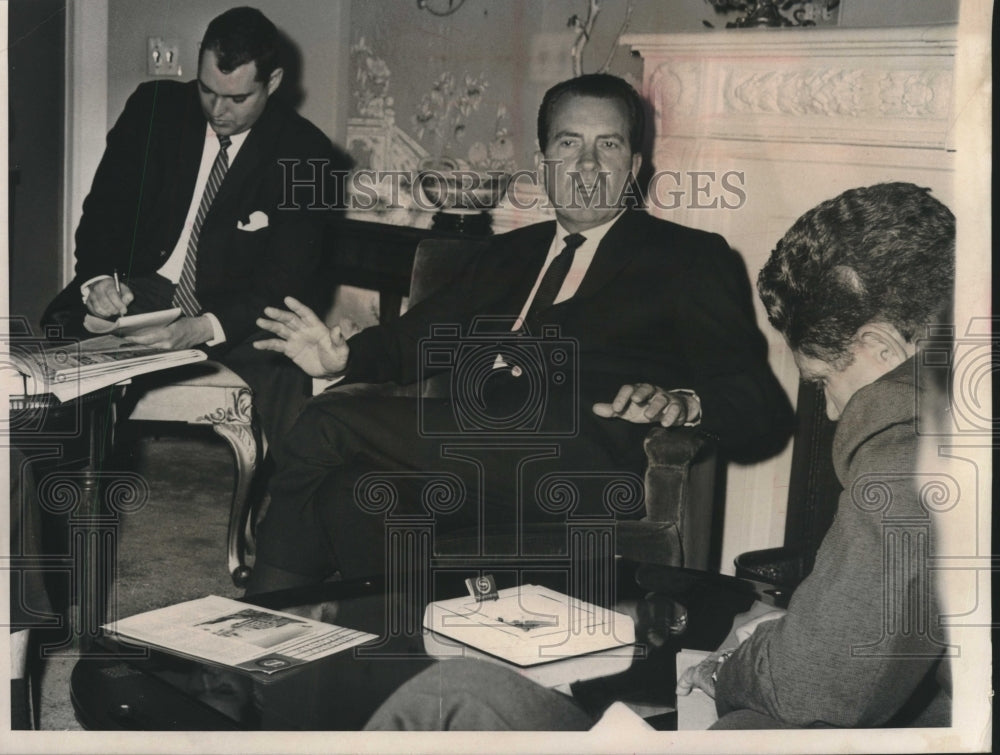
255	222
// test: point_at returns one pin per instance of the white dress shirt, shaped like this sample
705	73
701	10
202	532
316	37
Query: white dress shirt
582	258
171	269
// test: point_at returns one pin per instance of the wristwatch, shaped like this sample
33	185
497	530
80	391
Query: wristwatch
718	664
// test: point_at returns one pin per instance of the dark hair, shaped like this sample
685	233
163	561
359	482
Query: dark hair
881	253
601	85
239	36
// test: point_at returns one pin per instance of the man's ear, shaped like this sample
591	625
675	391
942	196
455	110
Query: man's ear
636	164
884	344
274	81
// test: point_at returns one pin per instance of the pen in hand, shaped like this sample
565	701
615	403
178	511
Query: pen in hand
118	290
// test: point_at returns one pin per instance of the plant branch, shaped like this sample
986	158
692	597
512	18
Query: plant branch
622	30
584	29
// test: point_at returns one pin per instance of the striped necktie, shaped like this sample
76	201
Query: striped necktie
184	296
554	276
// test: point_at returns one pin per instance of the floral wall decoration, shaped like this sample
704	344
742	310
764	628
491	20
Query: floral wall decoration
441	122
439	127
371	81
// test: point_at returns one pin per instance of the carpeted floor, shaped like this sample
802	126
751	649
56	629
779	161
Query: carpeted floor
172	549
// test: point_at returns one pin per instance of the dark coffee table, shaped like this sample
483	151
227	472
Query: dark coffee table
121	690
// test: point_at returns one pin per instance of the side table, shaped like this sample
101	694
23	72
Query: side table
69	444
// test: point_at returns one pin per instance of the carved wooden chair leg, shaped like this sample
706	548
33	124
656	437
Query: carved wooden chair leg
244	446
235	424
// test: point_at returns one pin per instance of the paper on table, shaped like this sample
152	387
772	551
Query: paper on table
696	710
555	674
240	635
129	324
531	625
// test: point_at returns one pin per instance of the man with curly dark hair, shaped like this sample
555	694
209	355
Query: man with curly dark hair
852	286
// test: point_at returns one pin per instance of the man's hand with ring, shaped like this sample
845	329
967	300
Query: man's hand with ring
643	402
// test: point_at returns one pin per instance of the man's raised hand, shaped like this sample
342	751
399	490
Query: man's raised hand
304	338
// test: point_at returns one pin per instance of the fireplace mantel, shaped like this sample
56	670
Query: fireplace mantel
789	117
878	87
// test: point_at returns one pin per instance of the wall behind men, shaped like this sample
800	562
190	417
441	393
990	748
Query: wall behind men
521	47
34	124
317	27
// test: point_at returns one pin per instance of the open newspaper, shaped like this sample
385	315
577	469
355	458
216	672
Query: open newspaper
75	368
230	633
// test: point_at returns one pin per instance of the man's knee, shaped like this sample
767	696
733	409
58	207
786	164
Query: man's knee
316	435
465	695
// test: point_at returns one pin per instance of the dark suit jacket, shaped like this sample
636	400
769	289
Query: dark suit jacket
660	303
143	187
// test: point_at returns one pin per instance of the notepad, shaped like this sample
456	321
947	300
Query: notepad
129	324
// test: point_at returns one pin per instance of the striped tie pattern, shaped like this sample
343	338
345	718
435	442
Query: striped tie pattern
184	296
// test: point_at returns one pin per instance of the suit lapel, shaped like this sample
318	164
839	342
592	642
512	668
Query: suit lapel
186	157
527	258
248	162
615	251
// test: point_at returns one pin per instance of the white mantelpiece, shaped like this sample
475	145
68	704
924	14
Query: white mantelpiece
789	117
865	86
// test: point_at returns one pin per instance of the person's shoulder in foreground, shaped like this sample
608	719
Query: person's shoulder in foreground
853	286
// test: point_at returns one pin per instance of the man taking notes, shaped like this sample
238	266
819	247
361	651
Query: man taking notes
188	209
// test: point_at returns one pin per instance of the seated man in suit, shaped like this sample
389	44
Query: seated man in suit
188	208
603	296
852	286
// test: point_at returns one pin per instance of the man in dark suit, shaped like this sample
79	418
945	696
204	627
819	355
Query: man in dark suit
192	206
604	296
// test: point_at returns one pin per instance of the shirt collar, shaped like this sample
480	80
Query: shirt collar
235	141
593	235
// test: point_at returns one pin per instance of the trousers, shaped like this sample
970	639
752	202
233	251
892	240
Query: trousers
467	695
353	466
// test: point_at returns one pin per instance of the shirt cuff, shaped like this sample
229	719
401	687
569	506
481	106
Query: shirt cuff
321	384
218	334
688	392
85	288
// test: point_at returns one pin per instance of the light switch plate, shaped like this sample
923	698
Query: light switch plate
163	57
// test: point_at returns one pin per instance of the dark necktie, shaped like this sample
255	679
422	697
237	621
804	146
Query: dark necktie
554	276
184	294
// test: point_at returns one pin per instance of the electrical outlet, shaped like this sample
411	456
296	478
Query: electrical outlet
163	57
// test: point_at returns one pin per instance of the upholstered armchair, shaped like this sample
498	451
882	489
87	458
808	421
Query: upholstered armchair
681	502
